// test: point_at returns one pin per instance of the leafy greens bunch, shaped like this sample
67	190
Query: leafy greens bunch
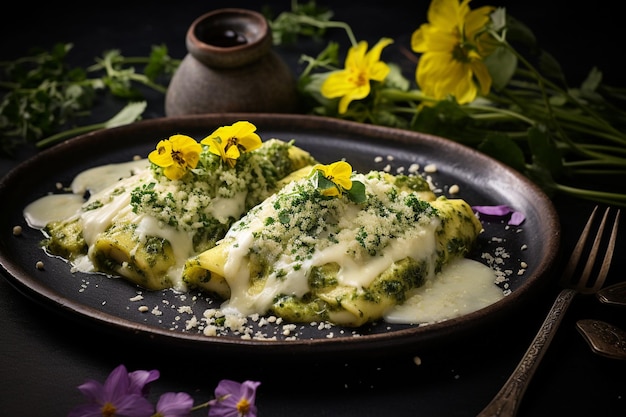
43	97
473	85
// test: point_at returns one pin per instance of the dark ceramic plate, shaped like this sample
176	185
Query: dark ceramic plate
111	303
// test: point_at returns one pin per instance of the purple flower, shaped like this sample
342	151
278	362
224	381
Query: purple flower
114	398
139	381
174	404
516	217
233	399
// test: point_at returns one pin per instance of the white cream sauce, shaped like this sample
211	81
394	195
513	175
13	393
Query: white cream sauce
51	208
462	287
56	207
98	178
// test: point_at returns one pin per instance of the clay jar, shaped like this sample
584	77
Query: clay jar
230	67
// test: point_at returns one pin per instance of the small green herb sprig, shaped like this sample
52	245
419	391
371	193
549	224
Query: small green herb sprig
307	20
44	98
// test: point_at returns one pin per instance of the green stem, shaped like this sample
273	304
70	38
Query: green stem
401	95
69	133
609	150
588	110
9	85
597	162
146	81
200	406
605	197
503	112
578	126
307	20
600	171
569	120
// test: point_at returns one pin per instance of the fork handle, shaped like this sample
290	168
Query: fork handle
507	400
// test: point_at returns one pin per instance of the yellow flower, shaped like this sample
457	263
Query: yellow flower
452	46
176	155
353	82
230	142
338	173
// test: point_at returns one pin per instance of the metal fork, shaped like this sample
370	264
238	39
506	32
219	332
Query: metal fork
508	399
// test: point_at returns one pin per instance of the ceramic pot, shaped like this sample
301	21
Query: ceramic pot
230	67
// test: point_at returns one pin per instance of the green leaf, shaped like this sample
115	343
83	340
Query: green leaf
550	67
160	63
321	182
518	32
501	65
356	194
130	113
545	153
593	81
542	177
498	19
446	119
388	118
395	79
504	149
303	20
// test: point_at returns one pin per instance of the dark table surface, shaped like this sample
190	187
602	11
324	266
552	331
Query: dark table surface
44	356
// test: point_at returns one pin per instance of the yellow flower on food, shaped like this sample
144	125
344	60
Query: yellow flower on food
229	142
361	67
176	155
453	46
339	174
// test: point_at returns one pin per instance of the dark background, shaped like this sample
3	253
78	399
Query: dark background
579	34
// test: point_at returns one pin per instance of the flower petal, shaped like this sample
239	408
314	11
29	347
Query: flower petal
162	155
174	404
229	395
451	46
360	68
133	405
501	210
140	379
229	142
516	217
116	384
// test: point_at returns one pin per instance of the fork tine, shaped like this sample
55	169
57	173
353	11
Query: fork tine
568	273
584	276
582	284
606	263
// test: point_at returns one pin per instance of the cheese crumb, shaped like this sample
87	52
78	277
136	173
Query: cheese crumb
430	168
